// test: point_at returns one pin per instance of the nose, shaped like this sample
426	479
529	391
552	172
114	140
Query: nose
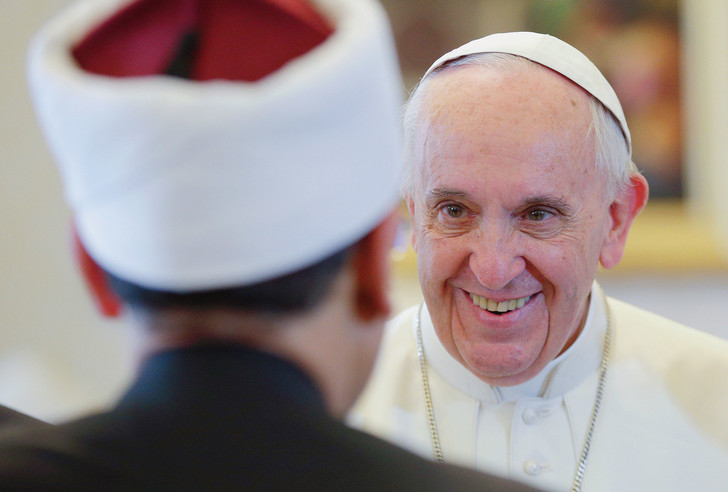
496	257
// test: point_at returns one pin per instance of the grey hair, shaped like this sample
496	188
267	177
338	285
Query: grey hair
611	152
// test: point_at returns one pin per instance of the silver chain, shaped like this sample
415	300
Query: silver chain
581	468
437	450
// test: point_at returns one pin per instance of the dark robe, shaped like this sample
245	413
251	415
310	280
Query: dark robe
219	418
8	416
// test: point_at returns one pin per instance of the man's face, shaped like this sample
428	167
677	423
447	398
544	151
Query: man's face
509	217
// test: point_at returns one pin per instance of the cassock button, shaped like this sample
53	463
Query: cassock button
533	469
530	416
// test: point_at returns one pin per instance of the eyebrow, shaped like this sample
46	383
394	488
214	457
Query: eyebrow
440	193
555	202
558	203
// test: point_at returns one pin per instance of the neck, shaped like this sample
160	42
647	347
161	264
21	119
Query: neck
327	342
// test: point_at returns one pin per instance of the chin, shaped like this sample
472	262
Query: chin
507	374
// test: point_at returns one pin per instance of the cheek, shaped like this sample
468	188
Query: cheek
437	259
566	270
570	259
428	267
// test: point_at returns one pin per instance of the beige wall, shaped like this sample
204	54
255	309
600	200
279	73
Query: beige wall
56	355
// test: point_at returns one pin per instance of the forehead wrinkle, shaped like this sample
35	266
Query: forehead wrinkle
567	109
440	120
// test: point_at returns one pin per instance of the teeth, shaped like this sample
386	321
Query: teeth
499	307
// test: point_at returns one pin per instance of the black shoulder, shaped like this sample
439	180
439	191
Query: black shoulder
8	416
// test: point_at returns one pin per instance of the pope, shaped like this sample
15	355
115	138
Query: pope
520	183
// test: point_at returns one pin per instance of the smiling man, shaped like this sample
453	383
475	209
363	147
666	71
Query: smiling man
519	184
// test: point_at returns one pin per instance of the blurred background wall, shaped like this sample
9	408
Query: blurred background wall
58	358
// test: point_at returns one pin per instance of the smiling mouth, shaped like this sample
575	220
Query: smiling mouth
499	307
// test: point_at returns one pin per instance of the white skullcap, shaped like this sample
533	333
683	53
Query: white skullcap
184	185
550	52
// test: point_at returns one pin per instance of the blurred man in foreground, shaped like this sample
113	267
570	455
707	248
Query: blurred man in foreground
231	166
520	183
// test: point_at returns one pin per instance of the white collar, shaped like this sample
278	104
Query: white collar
561	375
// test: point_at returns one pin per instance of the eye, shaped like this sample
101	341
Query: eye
542	220
454	211
453	215
538	214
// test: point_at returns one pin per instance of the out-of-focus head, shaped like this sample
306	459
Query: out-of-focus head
520	184
205	144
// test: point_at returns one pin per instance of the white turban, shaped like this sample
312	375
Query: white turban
184	185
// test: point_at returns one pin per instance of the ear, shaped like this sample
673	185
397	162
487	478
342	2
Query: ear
625	207
104	297
372	269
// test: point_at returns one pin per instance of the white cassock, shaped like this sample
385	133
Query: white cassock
663	422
